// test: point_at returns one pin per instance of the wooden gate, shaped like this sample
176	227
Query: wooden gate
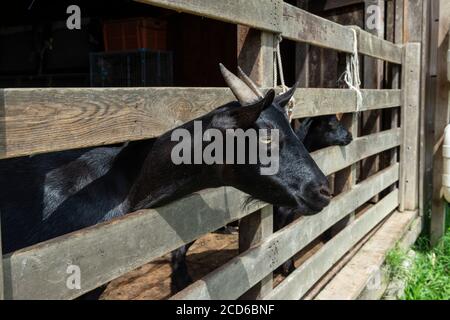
45	120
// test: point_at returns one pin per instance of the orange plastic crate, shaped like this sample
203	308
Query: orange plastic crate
136	33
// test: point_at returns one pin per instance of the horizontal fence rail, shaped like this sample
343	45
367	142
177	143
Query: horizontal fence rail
291	22
111	249
123	244
258	14
47	120
302	279
241	273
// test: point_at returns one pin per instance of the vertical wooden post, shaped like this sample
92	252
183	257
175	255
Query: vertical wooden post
2	287
252	230
410	124
441	119
431	185
373	79
416	29
346	179
396	77
302	55
255	57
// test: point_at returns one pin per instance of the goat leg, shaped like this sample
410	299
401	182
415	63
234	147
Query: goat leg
282	217
180	277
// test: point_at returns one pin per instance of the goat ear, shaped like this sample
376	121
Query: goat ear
245	116
283	99
302	131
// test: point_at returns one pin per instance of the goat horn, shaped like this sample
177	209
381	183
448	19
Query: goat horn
240	90
249	82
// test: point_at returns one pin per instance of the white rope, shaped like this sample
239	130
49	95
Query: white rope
351	74
278	65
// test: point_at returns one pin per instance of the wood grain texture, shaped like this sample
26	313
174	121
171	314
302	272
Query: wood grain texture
374	46
373	75
254	229
440	90
30	272
294	24
353	278
44	120
258	14
241	273
409	181
315	102
371	292
257	59
303	278
333	159
108	250
300	25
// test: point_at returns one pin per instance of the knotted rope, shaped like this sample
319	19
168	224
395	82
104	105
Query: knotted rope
278	65
351	74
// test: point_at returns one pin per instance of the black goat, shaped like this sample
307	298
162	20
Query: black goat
315	133
52	194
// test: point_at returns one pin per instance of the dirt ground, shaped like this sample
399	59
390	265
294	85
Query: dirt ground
152	281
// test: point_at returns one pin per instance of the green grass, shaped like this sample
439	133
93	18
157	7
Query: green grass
429	276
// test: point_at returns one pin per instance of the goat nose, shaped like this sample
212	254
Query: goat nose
319	192
325	191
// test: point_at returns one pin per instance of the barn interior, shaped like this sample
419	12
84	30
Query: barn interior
124	43
109	50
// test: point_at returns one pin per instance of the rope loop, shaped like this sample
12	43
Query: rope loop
351	75
278	66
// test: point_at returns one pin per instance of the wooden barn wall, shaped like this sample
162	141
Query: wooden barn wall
199	45
438	94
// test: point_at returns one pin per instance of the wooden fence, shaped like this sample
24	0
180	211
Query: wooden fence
44	120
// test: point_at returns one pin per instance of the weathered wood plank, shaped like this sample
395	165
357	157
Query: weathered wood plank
302	67
346	178
106	251
376	292
350	282
332	272
409	189
300	25
45	120
255	56
242	272
314	102
144	236
258	14
333	159
376	47
254	229
302	279
373	75
381	99
440	88
294	23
